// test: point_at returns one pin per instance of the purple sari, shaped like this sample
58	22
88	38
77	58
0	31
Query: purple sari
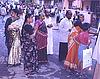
41	40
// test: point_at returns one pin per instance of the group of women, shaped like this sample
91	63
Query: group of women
30	42
78	40
26	41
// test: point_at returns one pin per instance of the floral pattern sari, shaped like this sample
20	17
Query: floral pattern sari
29	49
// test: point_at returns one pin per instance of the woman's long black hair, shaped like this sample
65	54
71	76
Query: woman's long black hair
26	17
23	27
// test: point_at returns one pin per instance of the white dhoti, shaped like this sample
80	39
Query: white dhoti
50	41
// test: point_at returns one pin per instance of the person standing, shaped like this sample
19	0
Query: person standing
14	38
50	33
41	39
71	61
81	18
11	19
29	46
64	30
83	39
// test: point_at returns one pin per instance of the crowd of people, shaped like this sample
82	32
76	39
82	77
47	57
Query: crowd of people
29	36
74	39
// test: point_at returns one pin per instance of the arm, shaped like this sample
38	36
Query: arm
93	33
35	28
8	22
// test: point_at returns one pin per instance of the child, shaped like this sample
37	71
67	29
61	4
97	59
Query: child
83	40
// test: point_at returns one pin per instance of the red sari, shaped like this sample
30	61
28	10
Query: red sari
72	56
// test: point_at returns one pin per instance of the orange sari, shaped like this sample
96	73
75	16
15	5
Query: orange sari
72	56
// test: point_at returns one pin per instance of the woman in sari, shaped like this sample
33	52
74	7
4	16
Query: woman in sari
84	40
29	46
41	39
71	61
14	42
11	19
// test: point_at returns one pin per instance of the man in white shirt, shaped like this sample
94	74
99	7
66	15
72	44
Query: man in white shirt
64	30
50	33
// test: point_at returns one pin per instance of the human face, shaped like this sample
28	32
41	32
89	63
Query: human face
81	18
30	19
69	15
42	17
13	14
